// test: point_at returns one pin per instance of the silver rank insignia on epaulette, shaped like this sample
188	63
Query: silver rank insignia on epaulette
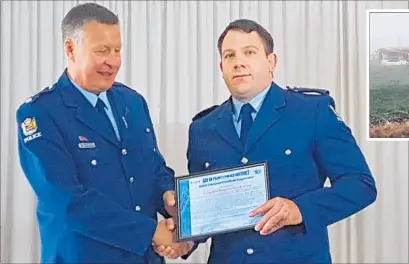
311	91
34	97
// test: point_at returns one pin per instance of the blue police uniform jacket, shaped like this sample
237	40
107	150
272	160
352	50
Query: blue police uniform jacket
98	197
304	142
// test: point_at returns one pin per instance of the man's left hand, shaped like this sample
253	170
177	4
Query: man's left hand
279	212
169	200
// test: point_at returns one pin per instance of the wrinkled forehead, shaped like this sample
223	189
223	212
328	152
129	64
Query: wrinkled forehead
95	33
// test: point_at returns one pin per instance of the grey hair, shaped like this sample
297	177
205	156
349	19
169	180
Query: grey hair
74	21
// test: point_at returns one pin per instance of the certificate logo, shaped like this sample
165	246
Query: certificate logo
194	181
257	171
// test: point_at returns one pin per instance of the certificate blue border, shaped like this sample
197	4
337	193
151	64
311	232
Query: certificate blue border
183	201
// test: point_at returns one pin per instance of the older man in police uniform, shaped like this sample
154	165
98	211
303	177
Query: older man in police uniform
303	141
88	149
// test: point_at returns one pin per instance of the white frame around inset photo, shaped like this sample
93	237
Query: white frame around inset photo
368	54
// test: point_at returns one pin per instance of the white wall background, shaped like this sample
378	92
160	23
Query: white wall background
170	56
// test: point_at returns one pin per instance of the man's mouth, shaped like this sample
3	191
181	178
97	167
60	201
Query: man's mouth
241	76
106	74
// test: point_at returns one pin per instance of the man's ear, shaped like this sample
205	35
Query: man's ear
272	59
69	47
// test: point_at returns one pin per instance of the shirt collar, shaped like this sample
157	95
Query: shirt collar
91	97
256	103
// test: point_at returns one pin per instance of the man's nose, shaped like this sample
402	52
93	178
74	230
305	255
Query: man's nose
113	60
239	62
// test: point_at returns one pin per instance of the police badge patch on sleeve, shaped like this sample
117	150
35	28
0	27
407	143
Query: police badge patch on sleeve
29	128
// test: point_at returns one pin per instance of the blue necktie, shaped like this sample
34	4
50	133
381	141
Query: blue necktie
101	109
246	122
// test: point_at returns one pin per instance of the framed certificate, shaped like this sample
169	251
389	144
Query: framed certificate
219	201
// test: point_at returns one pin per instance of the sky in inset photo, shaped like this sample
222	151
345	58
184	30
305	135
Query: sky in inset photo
388	30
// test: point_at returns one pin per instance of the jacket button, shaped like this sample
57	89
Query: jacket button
147	130
207	164
250	251
124	152
131	180
137	208
94	162
244	160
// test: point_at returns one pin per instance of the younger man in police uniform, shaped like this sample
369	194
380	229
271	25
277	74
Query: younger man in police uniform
303	141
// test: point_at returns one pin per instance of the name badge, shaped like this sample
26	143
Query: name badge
86	145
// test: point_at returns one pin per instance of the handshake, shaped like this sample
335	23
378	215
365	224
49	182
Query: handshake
163	239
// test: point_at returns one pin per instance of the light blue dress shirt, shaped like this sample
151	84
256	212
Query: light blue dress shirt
93	98
256	103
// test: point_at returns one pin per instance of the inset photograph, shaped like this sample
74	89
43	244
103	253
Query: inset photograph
388	74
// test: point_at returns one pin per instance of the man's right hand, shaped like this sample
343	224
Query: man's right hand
167	251
163	235
171	250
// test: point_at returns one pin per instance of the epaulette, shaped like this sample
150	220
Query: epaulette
312	91
204	112
121	85
37	95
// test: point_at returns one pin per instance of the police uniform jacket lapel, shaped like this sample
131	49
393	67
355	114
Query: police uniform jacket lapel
121	111
267	115
225	127
85	111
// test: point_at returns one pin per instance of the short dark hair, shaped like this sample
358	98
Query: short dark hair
78	16
248	26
